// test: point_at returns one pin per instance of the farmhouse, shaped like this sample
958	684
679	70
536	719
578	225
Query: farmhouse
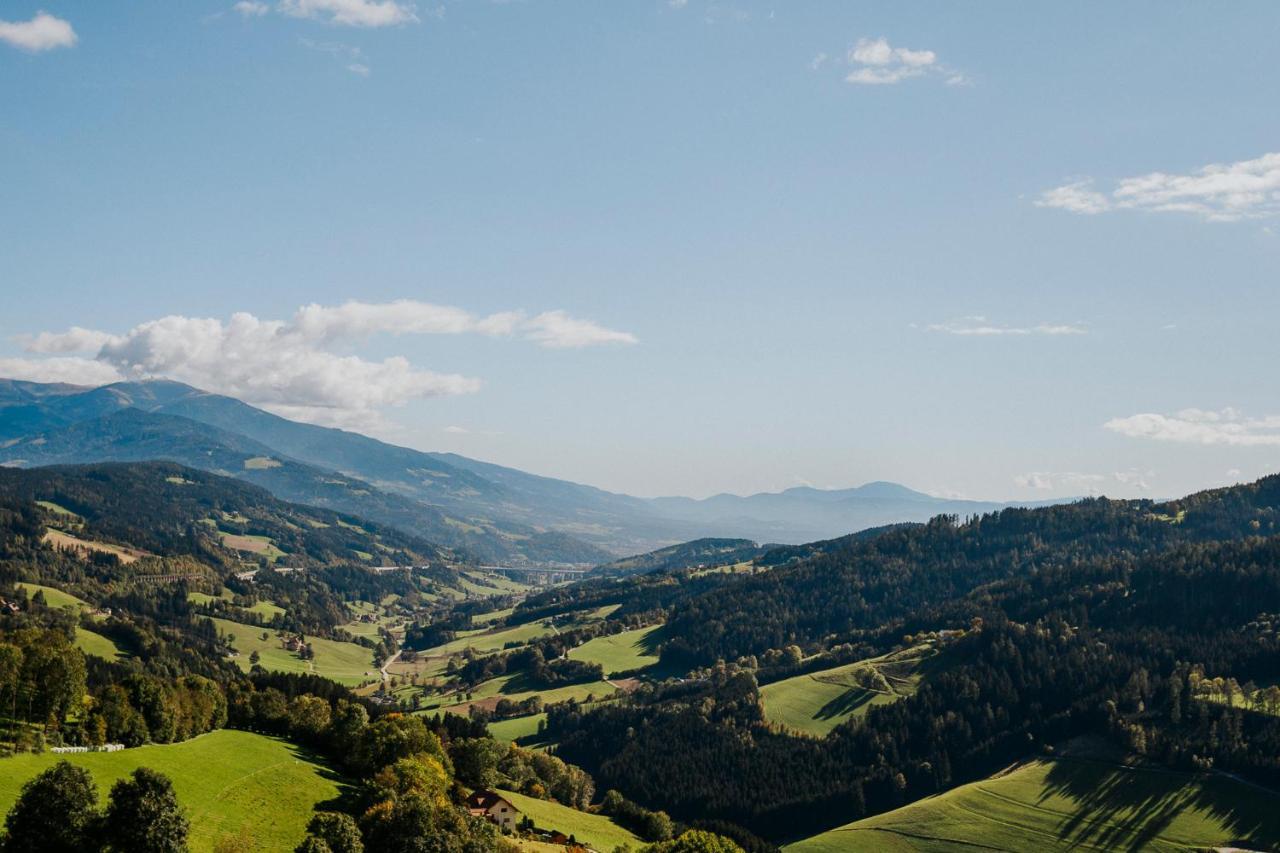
493	807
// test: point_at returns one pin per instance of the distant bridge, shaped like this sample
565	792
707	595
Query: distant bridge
538	574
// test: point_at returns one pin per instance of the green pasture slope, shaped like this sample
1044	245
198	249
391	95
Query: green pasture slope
516	728
229	782
623	652
1071	804
93	643
54	597
343	662
817	702
597	831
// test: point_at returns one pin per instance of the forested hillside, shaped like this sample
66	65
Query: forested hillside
1154	626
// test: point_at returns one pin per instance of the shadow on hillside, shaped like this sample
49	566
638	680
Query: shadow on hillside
846	703
348	792
1122	808
648	644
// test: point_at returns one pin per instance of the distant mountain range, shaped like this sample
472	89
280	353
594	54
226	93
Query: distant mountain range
490	511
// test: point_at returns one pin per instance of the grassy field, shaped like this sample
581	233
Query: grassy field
262	546
66	541
93	643
265	609
54	597
516	688
57	509
621	652
517	728
817	702
205	598
343	662
492	616
490	641
1070	803
595	830
227	781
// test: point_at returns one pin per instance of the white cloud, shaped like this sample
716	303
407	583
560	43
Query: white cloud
1219	192
677	4
1077	197
818	61
43	32
300	367
457	430
1056	481
979	326
557	330
76	371
251	8
352	13
75	339
401	317
875	62
1199	426
359	69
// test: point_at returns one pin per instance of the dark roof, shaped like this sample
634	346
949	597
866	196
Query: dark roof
483	799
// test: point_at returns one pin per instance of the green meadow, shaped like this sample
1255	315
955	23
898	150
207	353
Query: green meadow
344	662
817	702
517	728
93	643
54	597
231	784
623	652
597	831
1070	804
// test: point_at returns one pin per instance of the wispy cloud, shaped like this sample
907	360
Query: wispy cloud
42	32
875	62
350	56
251	8
352	13
979	326
1047	481
301	367
1219	192
1201	426
1076	482
557	330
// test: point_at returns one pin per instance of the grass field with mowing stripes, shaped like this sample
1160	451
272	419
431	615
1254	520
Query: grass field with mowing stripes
1070	804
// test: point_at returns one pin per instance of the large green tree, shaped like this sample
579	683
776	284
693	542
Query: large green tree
143	815
54	813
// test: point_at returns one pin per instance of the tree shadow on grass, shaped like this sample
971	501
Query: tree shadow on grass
846	703
348	791
650	643
1125	808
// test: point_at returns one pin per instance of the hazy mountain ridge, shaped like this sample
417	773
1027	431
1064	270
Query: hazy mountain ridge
498	512
133	435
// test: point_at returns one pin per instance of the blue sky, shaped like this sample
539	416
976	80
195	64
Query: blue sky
670	248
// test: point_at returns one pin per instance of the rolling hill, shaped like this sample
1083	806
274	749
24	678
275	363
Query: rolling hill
1071	803
167	509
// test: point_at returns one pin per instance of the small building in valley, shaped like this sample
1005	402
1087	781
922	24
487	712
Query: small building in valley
494	808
